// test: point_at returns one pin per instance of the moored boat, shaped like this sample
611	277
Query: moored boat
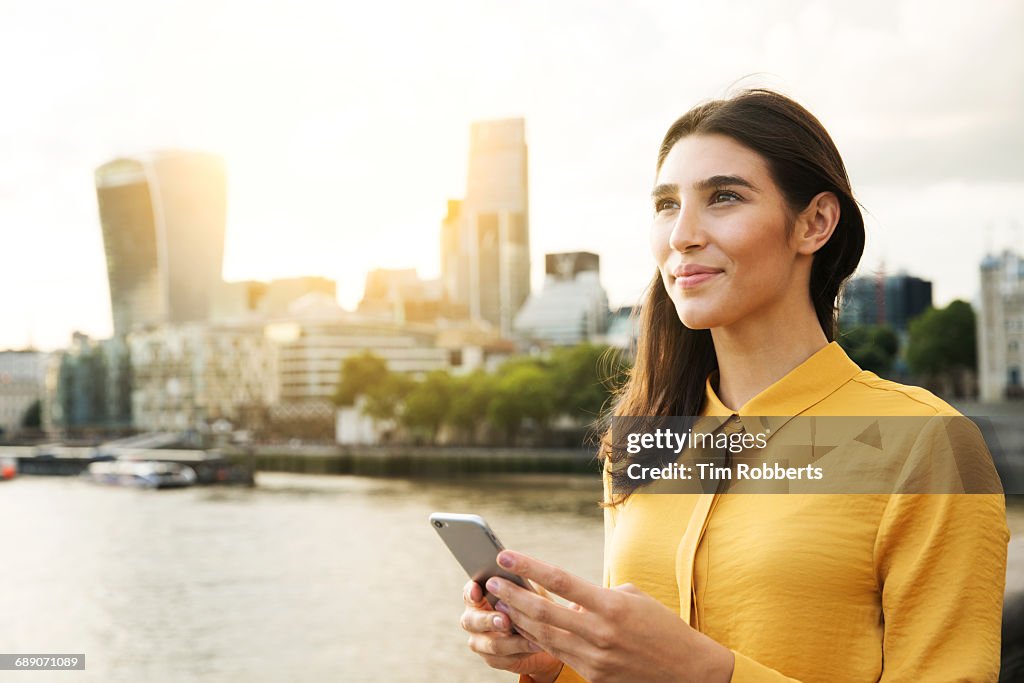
141	473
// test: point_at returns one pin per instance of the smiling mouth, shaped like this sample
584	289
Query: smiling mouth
691	281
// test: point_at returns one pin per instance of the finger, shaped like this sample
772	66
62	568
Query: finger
473	595
538	608
541	590
512	663
555	579
484	621
552	639
531	640
504	645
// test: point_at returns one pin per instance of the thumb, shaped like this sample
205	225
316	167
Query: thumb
473	595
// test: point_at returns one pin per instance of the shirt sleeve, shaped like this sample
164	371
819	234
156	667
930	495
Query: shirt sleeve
940	562
746	670
940	566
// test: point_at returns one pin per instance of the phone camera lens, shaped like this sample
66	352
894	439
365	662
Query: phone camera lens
438	524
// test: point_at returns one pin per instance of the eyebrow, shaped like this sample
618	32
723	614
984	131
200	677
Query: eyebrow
672	189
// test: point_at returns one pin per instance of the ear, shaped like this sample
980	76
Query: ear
816	223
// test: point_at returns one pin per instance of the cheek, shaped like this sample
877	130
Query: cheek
659	243
762	265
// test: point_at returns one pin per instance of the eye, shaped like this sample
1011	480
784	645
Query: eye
728	195
665	203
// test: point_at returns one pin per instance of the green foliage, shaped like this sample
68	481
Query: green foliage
471	397
385	397
429	403
359	375
523	390
583	377
943	339
872	347
574	381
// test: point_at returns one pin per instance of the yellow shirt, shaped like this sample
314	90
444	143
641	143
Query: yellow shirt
824	587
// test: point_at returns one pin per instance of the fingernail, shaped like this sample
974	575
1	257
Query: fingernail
498	622
534	647
506	561
501	607
493	585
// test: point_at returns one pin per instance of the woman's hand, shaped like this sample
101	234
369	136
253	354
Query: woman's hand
490	636
610	634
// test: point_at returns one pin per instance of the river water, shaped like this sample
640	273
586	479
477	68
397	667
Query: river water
303	578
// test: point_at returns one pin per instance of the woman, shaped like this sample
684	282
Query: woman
755	231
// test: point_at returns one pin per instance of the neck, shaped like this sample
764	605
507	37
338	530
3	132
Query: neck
753	354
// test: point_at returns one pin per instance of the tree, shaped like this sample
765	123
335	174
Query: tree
872	347
359	374
384	398
522	391
942	343
583	378
428	403
470	402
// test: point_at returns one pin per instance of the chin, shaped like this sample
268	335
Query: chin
700	317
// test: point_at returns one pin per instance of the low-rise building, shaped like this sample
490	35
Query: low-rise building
571	308
1001	327
22	387
189	376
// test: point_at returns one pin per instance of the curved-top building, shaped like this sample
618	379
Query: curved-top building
163	217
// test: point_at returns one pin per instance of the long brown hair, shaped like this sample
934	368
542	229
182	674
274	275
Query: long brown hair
673	361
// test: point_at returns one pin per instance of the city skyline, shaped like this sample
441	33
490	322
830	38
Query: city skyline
318	127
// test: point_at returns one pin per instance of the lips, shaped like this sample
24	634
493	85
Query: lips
684	270
693	274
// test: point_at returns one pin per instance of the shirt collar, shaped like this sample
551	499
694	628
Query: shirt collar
799	389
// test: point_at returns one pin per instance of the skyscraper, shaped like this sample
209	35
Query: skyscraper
486	238
893	300
163	217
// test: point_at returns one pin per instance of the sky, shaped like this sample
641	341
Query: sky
345	127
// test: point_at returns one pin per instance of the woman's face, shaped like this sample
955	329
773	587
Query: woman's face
718	210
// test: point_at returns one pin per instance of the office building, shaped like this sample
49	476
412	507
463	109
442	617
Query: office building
485	238
191	375
88	387
571	308
163	218
623	329
894	300
252	299
22	388
1001	327
401	296
311	344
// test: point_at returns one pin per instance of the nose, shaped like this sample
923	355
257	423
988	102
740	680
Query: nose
686	231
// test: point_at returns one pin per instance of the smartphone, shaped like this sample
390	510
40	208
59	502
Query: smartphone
476	548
